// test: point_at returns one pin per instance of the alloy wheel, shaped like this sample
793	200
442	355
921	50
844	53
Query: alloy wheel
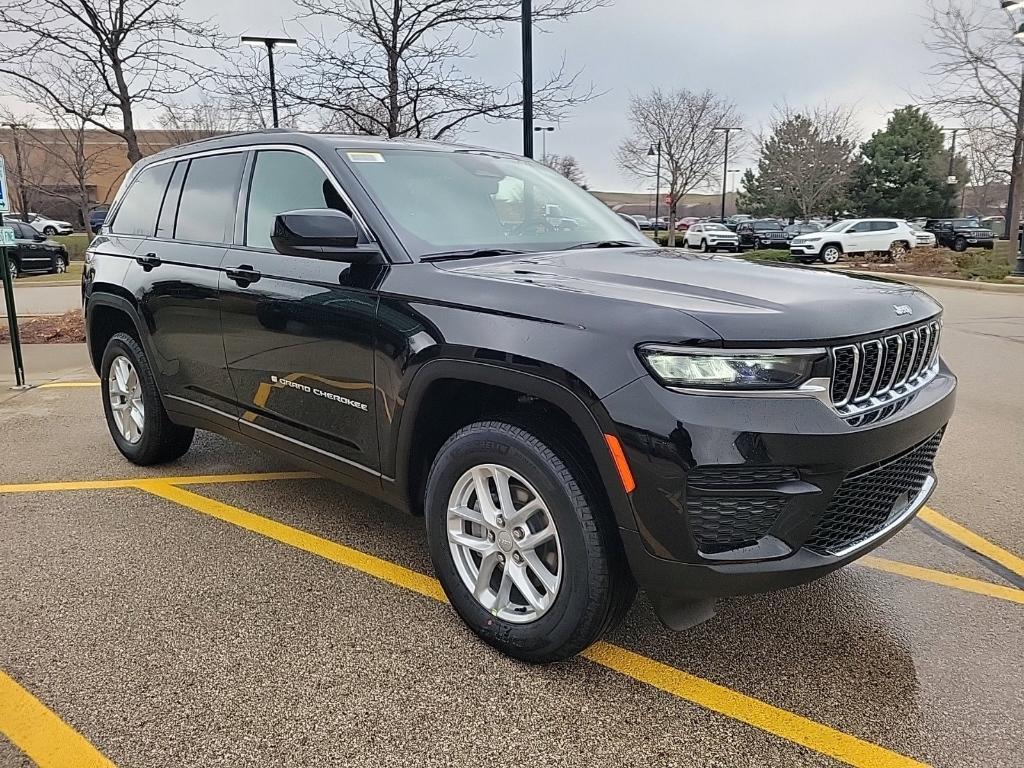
830	255
124	390
504	543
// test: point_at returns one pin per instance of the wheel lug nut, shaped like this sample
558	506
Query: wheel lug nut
490	536
518	534
517	558
500	520
501	559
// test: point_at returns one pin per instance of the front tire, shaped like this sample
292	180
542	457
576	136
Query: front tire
960	244
831	254
13	265
60	266
703	246
521	543
49	231
135	414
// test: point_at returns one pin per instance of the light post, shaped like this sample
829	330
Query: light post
1016	192
655	150
732	186
544	130
725	164
527	25
271	43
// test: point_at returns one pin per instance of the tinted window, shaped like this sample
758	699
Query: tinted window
165	225
864	226
138	211
206	213
883	226
767	226
285	181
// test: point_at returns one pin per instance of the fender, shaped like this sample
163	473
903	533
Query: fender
591	419
127	306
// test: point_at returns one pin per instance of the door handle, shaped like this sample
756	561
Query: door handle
243	275
148	261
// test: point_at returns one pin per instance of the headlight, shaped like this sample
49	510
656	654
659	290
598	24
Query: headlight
721	369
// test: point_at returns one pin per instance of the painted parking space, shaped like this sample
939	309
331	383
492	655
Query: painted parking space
306	581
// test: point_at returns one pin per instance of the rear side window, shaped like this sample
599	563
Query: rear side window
138	211
883	226
285	181
165	225
206	213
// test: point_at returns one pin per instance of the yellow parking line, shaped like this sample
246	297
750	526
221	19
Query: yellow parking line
46	739
970	539
68	384
133	482
792	727
944	579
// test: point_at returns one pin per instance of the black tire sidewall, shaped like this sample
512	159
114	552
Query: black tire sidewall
540	639
149	446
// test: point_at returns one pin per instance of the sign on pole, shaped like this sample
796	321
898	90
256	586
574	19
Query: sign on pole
4	198
7	237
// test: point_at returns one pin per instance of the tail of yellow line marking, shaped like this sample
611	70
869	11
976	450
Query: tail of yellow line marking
789	726
704	693
46	739
971	539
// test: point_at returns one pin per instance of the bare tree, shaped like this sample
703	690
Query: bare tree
137	53
979	80
395	68
806	161
568	166
692	149
990	167
60	162
24	177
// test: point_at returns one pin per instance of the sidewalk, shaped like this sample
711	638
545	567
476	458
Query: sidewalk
45	362
43	299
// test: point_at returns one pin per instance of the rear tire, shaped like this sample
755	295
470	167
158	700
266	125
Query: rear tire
140	427
591	585
13	265
49	231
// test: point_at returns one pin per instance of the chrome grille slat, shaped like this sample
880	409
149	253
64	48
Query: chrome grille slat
877	375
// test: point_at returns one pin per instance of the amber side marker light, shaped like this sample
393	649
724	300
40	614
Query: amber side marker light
615	449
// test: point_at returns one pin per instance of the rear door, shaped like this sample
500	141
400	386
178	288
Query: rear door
299	331
882	235
175	277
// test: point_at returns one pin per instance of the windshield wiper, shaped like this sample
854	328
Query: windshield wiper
604	244
469	254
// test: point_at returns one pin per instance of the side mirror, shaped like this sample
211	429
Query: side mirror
320	233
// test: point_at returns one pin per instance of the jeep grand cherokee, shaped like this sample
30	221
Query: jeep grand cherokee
468	336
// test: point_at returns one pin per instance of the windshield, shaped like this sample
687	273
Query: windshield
715	228
968	223
767	226
837	227
440	202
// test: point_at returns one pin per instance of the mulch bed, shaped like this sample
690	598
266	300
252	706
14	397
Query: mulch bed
68	328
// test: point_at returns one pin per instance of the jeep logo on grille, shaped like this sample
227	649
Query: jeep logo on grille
902	309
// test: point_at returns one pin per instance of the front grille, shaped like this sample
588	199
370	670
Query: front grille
877	372
868	500
723	523
728	477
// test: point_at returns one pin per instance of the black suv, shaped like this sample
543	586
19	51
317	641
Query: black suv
33	252
763	233
575	411
960	234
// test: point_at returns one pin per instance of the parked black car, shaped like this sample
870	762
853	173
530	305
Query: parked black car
33	252
961	234
575	411
763	233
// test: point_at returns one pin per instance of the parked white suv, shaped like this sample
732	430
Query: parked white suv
855	236
709	236
43	224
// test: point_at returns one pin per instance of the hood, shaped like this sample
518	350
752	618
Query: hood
740	300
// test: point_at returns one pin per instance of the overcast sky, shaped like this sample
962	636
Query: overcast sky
869	54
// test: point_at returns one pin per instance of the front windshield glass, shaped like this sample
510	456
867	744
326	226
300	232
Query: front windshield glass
440	202
837	227
715	228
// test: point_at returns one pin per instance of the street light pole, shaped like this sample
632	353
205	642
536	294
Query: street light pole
657	187
725	164
544	131
1017	173
527	24
271	43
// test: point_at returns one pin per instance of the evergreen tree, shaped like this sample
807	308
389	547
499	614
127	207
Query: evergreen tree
904	169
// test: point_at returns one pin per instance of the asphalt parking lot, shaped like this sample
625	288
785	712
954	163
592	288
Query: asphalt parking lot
227	610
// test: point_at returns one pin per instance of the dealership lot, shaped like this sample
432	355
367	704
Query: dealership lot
226	610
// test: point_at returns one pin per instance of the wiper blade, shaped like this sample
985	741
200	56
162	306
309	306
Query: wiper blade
469	254
604	244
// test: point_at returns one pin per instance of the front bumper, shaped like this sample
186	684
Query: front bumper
733	493
804	249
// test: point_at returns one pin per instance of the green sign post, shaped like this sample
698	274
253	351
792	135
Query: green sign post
5	275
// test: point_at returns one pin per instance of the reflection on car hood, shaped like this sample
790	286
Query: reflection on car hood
740	300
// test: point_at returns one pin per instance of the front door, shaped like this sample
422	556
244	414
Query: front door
859	238
298	331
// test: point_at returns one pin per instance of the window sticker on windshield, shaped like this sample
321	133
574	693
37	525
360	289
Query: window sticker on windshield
365	157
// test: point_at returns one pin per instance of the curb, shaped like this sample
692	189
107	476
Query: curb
945	282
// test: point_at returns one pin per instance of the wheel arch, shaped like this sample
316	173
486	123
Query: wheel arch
107	314
437	379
